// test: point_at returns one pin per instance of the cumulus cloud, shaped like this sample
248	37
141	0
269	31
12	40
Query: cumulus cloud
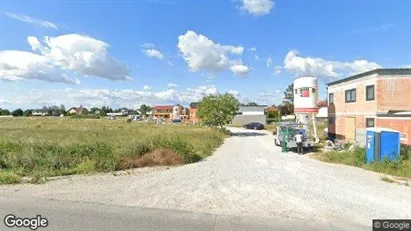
201	53
171	85
256	57
153	53
269	62
234	92
239	69
81	54
319	67
147	88
18	65
114	98
30	20
257	7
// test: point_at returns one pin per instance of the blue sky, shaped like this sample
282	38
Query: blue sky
125	53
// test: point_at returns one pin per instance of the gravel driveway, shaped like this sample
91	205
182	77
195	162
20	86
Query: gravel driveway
248	176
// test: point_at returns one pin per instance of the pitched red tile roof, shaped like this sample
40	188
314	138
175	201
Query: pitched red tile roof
163	107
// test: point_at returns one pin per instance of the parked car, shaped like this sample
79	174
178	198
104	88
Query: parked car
254	125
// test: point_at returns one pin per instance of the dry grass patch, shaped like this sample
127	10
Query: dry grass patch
159	157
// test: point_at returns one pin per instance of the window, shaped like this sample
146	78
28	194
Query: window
312	90
331	98
295	91
369	122
350	95
370	93
331	120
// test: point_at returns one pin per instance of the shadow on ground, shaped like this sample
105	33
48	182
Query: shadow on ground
248	134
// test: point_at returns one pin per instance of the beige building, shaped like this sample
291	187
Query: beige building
377	98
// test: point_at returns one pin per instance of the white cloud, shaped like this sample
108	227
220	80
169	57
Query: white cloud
201	53
252	49
277	70
257	7
81	54
153	53
265	94
27	19
234	92
256	57
19	65
239	69
278	91
170	63
147	88
319	67
406	66
148	45
171	85
269	62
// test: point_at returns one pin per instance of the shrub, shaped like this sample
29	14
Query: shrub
405	152
7	177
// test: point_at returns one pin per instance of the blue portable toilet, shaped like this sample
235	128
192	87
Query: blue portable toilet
381	144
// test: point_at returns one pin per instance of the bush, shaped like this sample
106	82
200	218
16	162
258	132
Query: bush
85	116
405	152
7	177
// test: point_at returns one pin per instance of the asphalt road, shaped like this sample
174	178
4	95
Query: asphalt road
68	215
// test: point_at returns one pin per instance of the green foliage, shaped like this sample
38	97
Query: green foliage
28	112
405	152
252	104
4	112
357	158
17	112
217	110
289	93
7	177
144	109
40	147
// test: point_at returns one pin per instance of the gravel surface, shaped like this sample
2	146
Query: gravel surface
248	176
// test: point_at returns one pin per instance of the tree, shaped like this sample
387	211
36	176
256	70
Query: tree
17	112
217	110
252	104
289	93
84	111
28	112
287	108
4	112
144	109
95	110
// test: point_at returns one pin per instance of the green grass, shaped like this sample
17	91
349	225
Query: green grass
40	147
356	158
387	179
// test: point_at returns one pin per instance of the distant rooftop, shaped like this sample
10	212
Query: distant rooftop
386	71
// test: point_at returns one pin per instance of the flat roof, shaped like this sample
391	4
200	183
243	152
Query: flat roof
382	71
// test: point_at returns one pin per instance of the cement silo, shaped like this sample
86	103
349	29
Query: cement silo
305	103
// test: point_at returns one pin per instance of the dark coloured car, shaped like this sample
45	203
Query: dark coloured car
254	125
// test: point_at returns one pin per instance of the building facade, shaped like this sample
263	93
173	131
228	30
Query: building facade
248	114
193	112
377	98
163	111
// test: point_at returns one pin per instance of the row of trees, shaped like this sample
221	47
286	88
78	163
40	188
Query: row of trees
61	110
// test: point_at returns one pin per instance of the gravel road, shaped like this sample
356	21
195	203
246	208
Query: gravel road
246	176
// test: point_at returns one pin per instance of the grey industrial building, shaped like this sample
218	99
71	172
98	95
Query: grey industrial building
248	114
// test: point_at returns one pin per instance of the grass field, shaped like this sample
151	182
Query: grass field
39	147
402	168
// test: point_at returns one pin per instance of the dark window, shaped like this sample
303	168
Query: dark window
370	92
313	90
369	122
295	91
331	120
331	98
350	95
